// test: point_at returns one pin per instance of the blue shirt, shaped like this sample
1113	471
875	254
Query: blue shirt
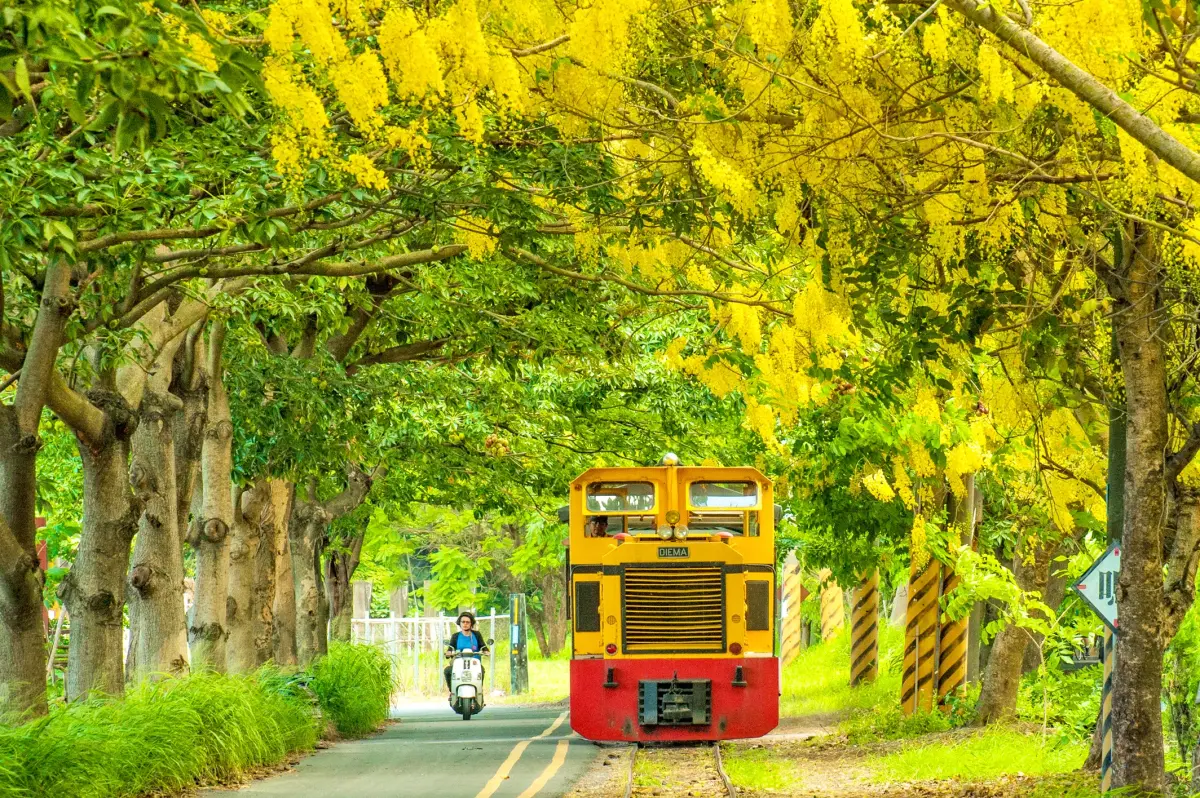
466	641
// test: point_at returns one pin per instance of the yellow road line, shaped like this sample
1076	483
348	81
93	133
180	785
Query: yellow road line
560	756
506	768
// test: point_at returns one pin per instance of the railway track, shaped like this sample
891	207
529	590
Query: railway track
687	776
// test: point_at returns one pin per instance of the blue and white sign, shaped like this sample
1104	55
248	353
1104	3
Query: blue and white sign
1098	586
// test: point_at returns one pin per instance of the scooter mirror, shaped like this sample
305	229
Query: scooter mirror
490	641
446	642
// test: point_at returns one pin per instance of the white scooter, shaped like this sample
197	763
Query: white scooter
466	681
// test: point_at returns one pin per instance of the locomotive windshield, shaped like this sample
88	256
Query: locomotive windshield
620	497
723	495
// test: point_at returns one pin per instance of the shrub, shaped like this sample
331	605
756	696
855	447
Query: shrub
162	737
353	684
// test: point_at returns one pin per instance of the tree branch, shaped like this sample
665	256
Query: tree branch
1180	459
398	354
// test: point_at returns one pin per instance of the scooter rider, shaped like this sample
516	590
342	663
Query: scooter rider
465	640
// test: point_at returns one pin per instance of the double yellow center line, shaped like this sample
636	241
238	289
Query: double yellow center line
560	756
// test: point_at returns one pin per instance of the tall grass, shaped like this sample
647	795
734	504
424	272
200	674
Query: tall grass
818	681
353	685
982	756
172	735
161	737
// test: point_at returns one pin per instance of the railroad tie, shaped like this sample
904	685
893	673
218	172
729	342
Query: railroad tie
864	630
920	633
833	605
793	597
951	663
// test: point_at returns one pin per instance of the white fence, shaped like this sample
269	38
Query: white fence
415	646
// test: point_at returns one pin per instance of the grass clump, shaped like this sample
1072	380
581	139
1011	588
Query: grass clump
162	737
818	681
353	685
760	769
986	755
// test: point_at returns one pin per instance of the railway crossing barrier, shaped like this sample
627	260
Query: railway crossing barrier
864	630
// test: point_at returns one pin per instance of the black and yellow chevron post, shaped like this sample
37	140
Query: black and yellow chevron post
864	630
920	638
1106	705
833	605
793	598
951	666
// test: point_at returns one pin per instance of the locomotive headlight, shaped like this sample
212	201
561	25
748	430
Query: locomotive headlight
664	532
681	533
672	517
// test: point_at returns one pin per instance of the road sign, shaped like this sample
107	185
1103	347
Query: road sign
1098	586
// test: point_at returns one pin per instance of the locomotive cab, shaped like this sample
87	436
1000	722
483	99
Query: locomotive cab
672	592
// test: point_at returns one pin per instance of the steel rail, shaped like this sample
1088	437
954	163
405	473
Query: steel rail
729	788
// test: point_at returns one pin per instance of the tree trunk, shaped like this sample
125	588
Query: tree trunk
22	639
94	590
1137	722
244	614
1002	675
210	535
283	626
305	531
158	626
262	588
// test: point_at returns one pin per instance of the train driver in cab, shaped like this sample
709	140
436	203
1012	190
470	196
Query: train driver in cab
597	527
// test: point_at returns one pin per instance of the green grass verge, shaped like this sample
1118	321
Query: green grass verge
818	681
982	756
549	681
172	735
161	737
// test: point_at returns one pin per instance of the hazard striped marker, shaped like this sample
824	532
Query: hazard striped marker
864	630
833	605
917	680
951	645
793	597
1106	704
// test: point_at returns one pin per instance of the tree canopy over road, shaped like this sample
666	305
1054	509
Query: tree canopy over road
295	286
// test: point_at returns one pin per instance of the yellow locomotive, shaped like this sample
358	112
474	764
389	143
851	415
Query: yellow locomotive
672	595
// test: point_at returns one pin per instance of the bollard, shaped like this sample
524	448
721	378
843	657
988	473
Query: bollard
916	683
793	598
518	650
864	631
833	605
951	666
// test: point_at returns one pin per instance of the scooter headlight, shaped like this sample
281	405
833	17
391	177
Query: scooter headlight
664	532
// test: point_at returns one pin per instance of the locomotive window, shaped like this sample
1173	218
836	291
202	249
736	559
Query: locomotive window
620	497
723	495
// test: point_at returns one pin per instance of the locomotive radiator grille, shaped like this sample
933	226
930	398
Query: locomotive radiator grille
673	610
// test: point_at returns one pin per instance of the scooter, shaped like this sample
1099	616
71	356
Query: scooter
466	682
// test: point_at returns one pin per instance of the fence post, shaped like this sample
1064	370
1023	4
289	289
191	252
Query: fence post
416	647
519	654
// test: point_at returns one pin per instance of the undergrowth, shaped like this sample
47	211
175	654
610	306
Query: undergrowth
818	680
353	685
977	757
172	735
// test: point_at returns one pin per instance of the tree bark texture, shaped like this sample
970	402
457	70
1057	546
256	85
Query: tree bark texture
283	616
22	640
307	535
158	627
209	535
251	516
340	566
94	590
1002	675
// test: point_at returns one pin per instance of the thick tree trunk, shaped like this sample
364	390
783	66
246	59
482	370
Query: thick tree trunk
283	626
339	596
262	587
209	535
245	542
1137	722
94	590
158	626
1002	675
22	639
305	531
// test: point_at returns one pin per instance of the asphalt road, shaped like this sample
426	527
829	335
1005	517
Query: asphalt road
505	752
